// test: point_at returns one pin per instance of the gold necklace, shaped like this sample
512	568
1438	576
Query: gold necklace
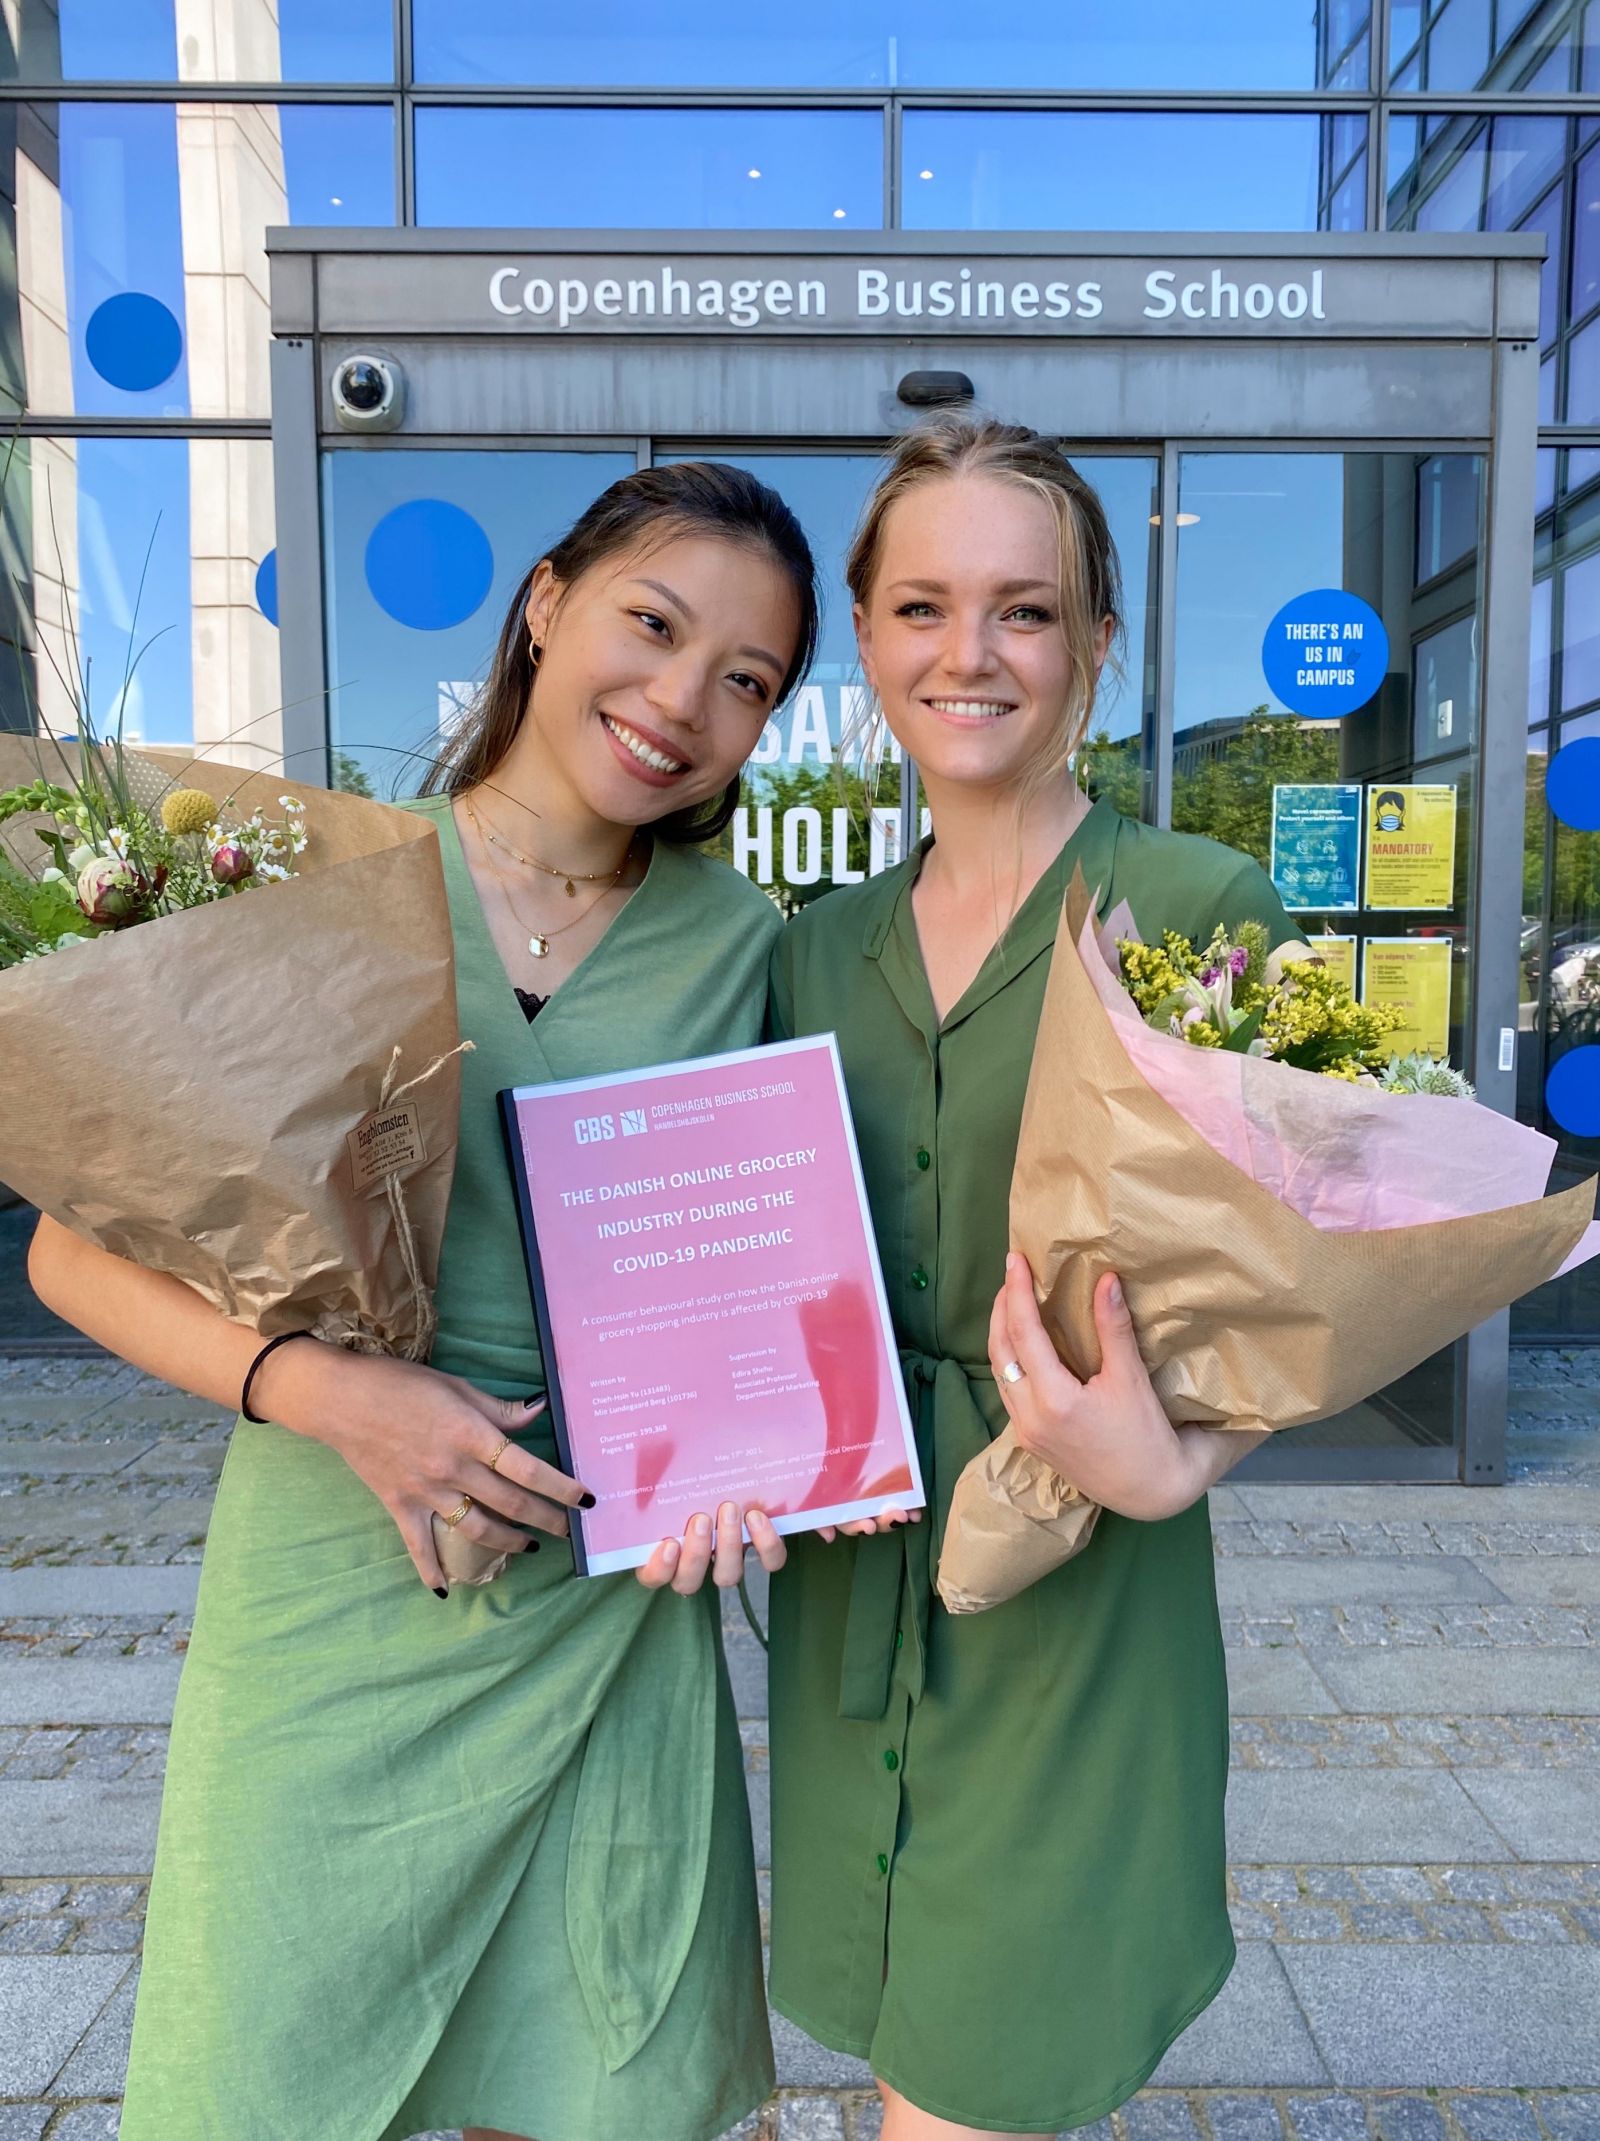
571	878
539	939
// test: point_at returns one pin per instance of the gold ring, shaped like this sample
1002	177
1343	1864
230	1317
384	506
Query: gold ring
494	1461
455	1516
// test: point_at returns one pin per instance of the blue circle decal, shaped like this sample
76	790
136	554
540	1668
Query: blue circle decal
1325	653
429	564
1572	784
1572	1091
267	587
133	341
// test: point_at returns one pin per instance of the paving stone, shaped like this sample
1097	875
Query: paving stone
1458	1921
1311	1921
1258	1583
1158	2118
1496	2118
1548	1579
46	2004
1451	2017
71	1691
1397	1884
747	1671
802	2063
1328	2118
1275	1683
63	1515
1571	2118
23	2122
1530	1924
1332	1884
1349	1817
1502	1683
100	2063
1243	2118
47	1592
1253	2034
87	2122
810	2118
1386	1921
77	1828
1544	1814
1407	2118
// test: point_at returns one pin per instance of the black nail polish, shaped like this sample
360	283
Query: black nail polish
439	1591
534	1400
585	1501
532	1547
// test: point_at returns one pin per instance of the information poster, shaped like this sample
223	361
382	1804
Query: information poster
1316	845
1411	847
1411	975
1338	955
709	1299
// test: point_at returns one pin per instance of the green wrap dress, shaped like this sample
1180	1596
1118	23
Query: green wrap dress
484	1861
997	1841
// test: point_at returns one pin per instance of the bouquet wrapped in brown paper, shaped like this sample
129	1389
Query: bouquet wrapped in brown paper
258	1095
1288	1243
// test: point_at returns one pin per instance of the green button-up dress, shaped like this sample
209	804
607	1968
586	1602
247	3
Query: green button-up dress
998	1861
485	1861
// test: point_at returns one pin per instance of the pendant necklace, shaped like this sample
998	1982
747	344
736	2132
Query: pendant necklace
539	939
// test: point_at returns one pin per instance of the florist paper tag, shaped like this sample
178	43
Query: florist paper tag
387	1139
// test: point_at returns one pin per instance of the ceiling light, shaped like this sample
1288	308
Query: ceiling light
752	173
924	174
336	200
837	214
1183	520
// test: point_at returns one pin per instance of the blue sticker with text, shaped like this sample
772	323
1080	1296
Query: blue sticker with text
1325	653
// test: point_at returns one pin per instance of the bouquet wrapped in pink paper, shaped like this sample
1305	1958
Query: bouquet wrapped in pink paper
1288	1242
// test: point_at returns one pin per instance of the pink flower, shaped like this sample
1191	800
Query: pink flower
231	863
112	892
1238	959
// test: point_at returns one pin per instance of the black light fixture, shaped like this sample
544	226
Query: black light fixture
935	390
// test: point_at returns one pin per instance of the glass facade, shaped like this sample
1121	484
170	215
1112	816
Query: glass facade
146	146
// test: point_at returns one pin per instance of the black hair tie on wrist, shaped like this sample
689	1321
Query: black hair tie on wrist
251	1372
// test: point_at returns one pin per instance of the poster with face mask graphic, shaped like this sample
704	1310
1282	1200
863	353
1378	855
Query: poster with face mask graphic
1411	846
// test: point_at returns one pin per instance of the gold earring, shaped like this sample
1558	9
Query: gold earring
535	652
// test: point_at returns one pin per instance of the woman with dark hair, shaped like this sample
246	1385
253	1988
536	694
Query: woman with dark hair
487	1860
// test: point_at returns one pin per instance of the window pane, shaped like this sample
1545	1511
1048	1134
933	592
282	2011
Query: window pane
1349	208
1445	691
159	321
1458	45
1112	171
597	169
1447	512
409	642
1097	44
1544	481
136	41
1539	654
1580	634
1586	237
1583	465
1546	218
1583	376
1471	176
142	554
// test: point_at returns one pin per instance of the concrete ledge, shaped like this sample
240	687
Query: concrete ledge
61	1691
1276	1683
77	1827
1431	1680
1253	2035
51	1593
46	2004
1266	1582
1541	1813
1344	1817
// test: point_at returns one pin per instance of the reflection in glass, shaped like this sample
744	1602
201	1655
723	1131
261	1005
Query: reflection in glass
883	44
1484	44
132	562
1580	634
1214	171
397	687
1539	653
597	168
162	320
225	41
1583	375
1465	173
1403	533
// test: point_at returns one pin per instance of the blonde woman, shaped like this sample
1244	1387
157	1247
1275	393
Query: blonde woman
998	1867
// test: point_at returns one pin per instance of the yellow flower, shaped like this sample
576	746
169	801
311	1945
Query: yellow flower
187	810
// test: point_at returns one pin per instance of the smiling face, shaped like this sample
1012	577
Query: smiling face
961	631
659	668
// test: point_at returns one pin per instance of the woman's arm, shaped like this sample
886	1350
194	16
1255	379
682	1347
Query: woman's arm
1109	1436
418	1439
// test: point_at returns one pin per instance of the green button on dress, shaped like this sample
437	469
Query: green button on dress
997	1841
484	1861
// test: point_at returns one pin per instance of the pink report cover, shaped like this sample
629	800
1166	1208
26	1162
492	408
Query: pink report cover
708	1295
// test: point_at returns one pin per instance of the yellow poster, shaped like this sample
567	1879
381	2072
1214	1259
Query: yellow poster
1338	955
1411	975
1411	846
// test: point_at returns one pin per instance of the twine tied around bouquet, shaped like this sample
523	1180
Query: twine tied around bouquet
341	1329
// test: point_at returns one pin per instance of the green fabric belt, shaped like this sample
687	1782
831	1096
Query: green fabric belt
892	1586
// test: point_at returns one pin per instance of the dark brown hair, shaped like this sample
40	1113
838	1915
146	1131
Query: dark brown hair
651	505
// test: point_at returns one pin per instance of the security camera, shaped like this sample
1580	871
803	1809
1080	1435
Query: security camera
369	394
